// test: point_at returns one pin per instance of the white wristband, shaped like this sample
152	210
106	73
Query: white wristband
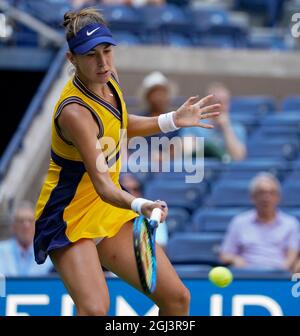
166	122
137	203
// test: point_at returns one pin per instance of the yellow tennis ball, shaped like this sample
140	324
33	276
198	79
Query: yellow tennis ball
220	276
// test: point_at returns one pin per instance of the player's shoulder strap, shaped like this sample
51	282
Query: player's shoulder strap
79	101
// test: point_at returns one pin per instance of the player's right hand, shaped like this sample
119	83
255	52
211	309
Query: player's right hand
148	207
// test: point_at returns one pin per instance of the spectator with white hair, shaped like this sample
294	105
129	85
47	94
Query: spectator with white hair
265	237
16	253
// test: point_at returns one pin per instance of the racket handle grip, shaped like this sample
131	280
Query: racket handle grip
156	215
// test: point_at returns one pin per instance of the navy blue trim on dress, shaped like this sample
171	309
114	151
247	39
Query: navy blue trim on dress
80	86
115	79
77	100
50	229
113	160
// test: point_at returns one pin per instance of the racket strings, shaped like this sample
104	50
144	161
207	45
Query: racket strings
146	255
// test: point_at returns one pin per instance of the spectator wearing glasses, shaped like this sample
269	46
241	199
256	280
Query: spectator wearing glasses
265	237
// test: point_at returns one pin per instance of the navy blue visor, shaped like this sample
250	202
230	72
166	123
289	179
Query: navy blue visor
89	37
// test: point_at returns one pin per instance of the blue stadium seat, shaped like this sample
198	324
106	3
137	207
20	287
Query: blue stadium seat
231	193
176	194
290	194
178	40
254	104
266	137
192	271
246	273
293	176
167	17
271	165
194	248
210	171
284	118
291	103
127	38
238	35
274	148
178	220
122	18
249	120
296	164
212	41
202	17
214	220
243	174
49	11
154	36
267	42
212	168
276	131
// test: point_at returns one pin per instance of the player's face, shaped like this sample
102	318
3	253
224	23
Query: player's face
97	64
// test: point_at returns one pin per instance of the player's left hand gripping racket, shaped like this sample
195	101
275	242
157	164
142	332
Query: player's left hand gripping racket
144	248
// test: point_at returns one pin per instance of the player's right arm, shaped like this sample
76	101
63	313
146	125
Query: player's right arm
78	126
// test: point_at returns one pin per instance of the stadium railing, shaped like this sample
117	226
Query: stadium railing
16	142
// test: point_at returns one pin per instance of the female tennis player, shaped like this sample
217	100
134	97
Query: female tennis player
83	216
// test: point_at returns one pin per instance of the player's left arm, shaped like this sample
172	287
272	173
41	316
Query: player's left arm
189	114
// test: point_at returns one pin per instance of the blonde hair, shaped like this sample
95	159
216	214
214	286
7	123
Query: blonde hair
74	21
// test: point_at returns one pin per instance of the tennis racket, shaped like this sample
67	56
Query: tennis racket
144	249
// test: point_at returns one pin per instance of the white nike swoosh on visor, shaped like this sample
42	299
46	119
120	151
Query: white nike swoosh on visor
92	31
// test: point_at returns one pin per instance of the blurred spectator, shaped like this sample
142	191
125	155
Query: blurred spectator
117	2
156	92
227	140
83	3
156	2
263	238
16	254
133	186
133	2
148	2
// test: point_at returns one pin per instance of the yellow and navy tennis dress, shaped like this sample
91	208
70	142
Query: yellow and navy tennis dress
69	207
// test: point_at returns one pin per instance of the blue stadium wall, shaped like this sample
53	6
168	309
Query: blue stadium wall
47	296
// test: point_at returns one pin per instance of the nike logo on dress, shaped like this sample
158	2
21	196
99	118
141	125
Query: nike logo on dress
91	32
